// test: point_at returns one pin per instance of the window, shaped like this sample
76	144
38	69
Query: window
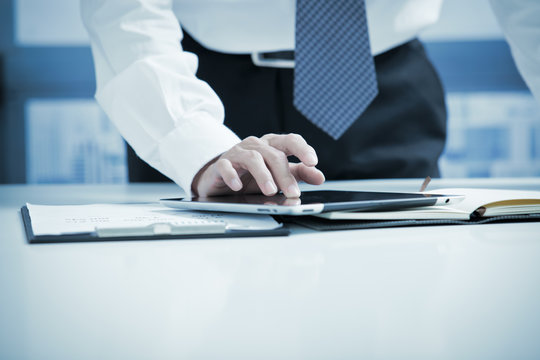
53	131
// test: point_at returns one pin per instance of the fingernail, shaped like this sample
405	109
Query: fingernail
293	191
270	187
236	184
312	158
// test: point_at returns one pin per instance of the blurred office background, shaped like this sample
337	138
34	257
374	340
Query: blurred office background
52	130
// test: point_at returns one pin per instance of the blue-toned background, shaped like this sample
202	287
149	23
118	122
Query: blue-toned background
53	131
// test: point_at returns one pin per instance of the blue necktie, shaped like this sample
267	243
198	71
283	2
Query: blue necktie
334	76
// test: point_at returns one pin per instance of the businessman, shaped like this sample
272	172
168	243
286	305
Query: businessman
341	85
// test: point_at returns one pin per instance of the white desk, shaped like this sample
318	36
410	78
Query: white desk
460	292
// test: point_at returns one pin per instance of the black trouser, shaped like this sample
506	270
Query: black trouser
400	135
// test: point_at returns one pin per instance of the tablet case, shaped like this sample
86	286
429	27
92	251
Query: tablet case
92	237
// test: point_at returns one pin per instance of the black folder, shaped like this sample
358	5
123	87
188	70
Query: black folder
321	224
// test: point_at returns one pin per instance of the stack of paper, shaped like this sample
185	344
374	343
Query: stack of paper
137	219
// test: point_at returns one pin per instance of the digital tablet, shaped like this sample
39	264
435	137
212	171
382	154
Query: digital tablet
312	202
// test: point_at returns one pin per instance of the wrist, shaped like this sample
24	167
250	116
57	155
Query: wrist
196	179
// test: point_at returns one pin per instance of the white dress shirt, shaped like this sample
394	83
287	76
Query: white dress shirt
147	85
520	21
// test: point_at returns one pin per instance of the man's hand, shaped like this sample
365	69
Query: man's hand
258	165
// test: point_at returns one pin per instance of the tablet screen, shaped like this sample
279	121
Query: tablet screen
314	197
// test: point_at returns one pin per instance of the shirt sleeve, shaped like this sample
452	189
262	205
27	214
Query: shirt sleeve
520	21
146	84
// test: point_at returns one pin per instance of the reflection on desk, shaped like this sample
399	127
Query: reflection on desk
467	292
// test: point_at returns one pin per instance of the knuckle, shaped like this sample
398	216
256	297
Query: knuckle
252	140
277	157
294	137
268	136
235	149
253	155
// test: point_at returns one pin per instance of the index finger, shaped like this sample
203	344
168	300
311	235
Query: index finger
293	144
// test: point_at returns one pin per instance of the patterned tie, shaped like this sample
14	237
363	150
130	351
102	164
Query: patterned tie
334	76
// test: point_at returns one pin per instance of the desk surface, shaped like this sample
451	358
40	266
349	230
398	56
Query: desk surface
467	292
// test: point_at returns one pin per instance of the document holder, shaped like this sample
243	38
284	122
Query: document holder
157	231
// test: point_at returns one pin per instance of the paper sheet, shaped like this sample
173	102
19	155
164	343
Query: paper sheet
75	219
507	201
